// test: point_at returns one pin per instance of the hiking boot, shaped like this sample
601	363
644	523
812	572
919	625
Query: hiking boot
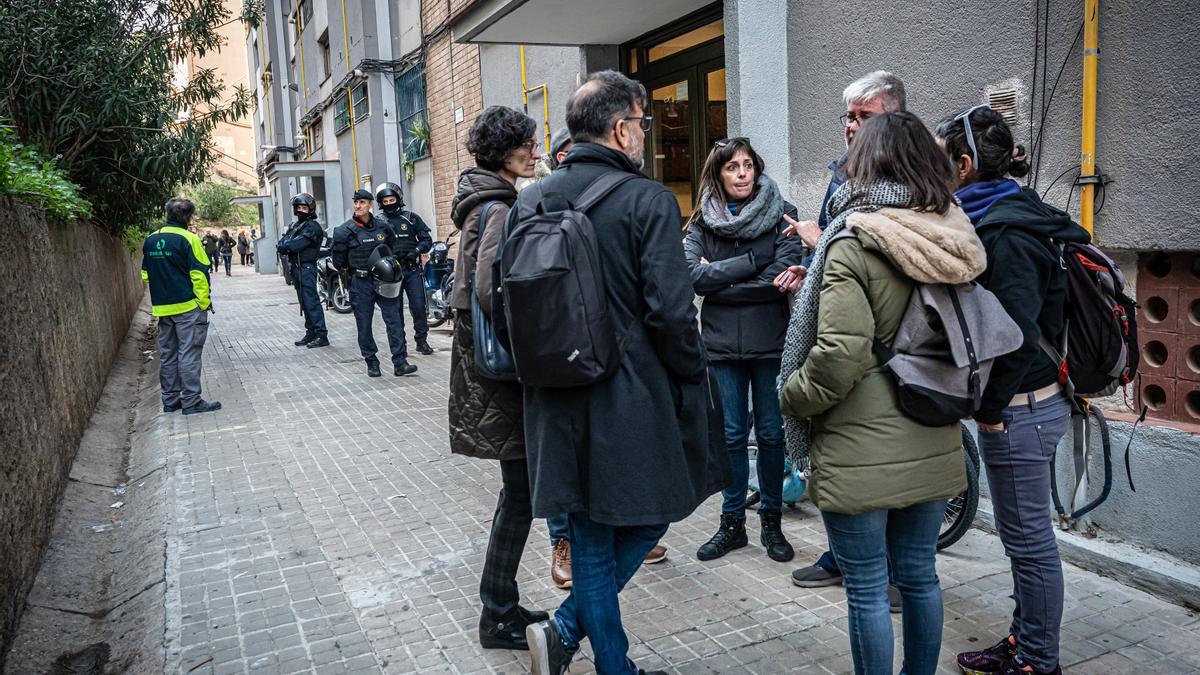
895	600
202	407
424	348
304	341
730	536
994	659
815	576
547	653
560	564
771	536
373	370
404	368
172	408
509	631
318	342
656	555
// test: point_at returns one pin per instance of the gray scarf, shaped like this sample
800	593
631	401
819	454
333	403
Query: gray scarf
752	219
802	328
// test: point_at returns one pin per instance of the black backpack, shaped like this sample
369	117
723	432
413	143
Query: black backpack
559	328
1099	352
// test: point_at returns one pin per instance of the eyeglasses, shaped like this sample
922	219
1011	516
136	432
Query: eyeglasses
852	118
646	120
531	145
966	118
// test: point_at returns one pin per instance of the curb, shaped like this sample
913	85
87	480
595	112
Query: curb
1156	573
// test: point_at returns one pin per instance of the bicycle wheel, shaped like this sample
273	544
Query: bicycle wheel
960	511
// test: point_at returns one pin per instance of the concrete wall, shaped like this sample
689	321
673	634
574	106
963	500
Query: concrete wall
69	292
556	67
948	61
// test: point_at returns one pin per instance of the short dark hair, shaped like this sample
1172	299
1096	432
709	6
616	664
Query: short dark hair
603	98
896	147
993	141
180	210
496	132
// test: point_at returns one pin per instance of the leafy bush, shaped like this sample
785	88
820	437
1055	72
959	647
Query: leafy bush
28	176
214	210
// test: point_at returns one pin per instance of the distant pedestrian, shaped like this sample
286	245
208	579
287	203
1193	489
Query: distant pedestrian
486	415
175	266
1025	412
210	249
736	245
629	455
243	247
225	248
880	479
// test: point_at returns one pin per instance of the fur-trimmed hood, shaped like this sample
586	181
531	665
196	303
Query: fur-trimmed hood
930	248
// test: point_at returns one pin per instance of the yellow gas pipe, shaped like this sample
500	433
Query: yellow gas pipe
350	97
526	90
1087	158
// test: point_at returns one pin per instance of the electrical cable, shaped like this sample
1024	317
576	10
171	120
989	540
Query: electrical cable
1060	177
1046	108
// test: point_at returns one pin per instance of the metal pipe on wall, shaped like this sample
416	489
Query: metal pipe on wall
1087	158
526	90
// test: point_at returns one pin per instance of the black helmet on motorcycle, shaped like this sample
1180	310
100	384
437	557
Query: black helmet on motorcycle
304	199
439	253
389	190
383	266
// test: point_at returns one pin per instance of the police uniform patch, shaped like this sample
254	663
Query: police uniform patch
379	237
404	227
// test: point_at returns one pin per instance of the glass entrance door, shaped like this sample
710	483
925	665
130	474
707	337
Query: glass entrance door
671	152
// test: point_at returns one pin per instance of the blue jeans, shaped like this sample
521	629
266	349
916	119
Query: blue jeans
603	559
864	544
739	380
1018	469
559	527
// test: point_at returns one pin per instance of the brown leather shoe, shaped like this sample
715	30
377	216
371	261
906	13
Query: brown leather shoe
560	564
656	555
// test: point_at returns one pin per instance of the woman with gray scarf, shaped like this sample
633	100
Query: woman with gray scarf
735	248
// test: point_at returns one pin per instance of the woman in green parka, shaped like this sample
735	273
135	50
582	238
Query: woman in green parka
880	479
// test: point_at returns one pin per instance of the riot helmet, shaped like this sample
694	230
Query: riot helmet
389	190
383	266
304	199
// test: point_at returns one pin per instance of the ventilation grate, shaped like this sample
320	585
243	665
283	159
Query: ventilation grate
1004	101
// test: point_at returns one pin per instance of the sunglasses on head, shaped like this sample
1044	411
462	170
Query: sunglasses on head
966	118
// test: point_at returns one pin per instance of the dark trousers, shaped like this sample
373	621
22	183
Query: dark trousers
1018	462
414	288
603	559
180	346
314	314
510	530
214	261
743	383
363	299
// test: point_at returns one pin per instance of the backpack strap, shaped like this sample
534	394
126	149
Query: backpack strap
973	381
600	188
484	211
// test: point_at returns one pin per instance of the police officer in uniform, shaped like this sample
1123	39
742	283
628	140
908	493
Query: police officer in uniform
354	242
301	246
412	240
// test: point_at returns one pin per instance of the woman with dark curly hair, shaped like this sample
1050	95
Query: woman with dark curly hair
487	416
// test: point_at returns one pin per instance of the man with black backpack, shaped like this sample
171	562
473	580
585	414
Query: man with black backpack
623	428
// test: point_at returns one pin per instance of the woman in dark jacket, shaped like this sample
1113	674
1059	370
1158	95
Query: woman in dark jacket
225	248
1024	412
735	248
486	416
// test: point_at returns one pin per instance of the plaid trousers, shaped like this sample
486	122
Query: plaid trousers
510	530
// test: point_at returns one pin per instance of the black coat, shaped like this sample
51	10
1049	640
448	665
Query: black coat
1025	273
647	445
744	316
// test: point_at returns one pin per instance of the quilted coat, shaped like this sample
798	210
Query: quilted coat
486	416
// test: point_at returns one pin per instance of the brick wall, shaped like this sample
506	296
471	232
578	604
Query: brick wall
452	81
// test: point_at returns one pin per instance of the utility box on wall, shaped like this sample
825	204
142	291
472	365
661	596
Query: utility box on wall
1168	292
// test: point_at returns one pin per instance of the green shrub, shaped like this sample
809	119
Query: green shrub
28	176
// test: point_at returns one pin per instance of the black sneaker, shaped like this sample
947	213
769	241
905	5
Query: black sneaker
304	341
771	536
202	407
373	370
424	348
731	535
172	408
405	368
318	342
547	653
815	576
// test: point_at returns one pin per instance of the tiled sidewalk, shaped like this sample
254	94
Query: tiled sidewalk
321	524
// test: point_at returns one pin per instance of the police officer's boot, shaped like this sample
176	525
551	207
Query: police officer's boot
404	368
424	348
373	370
318	342
304	341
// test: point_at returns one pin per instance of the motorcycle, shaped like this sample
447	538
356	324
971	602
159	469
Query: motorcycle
331	289
439	280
